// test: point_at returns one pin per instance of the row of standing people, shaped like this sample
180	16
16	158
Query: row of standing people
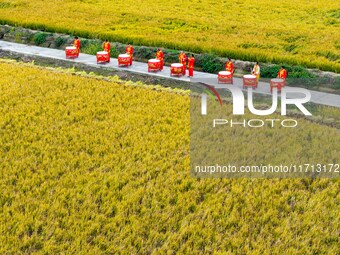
106	47
256	70
182	58
185	61
159	55
128	50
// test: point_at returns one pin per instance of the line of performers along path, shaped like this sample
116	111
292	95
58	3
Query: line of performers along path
179	69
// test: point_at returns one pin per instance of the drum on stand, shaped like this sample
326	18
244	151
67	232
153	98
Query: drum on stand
277	83
154	65
71	52
249	80
102	57
225	77
124	60
176	69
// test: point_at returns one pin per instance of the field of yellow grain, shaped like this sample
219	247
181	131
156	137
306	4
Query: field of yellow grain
295	32
94	166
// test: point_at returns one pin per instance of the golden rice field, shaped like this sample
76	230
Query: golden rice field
94	166
295	32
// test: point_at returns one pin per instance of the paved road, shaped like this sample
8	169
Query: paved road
139	67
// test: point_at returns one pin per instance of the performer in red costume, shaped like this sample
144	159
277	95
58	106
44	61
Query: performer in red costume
191	62
183	60
76	43
107	48
229	66
129	50
160	56
282	74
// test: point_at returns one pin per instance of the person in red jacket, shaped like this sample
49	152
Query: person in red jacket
229	66
191	62
282	74
107	47
76	43
160	56
129	50
183	60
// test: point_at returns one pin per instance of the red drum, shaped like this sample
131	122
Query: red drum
225	77
154	65
103	56
277	83
71	52
249	80
124	60
176	69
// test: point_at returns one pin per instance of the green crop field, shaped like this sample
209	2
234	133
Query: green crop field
95	166
294	32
